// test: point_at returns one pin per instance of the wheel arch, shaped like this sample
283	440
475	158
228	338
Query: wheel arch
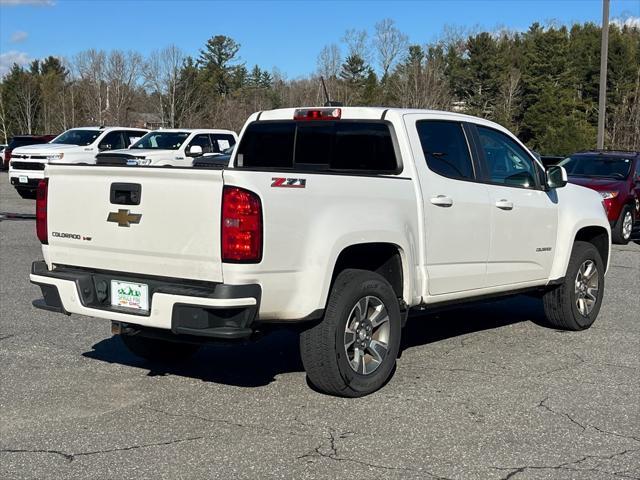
599	238
383	258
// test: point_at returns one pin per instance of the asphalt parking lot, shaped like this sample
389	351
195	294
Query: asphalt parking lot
481	392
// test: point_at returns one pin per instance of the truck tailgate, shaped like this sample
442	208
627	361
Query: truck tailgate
174	231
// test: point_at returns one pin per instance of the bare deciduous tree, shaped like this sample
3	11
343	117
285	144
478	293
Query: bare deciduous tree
420	82
162	74
28	100
122	74
508	99
329	61
357	43
390	44
90	69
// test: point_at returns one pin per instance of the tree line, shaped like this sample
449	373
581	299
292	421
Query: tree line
542	84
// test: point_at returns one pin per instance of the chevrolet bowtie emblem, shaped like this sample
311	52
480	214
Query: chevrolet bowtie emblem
123	218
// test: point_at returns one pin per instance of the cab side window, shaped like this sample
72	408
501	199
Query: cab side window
445	149
132	136
112	141
221	141
507	163
203	141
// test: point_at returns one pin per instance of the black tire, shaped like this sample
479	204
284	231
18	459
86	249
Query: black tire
322	346
560	305
27	194
617	235
156	350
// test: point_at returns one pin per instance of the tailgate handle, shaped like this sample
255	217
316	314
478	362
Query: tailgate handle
125	193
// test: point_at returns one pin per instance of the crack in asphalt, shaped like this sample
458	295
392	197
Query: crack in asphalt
544	405
330	451
69	457
584	427
513	471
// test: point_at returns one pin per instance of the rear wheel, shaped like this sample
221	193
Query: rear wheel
621	233
156	350
575	303
352	352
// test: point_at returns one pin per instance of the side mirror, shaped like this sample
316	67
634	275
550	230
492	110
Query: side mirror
556	176
104	146
195	150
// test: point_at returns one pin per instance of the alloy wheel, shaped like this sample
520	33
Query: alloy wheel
586	287
366	335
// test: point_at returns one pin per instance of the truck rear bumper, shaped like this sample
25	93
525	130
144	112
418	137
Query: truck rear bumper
184	308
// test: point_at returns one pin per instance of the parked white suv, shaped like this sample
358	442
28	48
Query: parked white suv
77	145
336	220
174	147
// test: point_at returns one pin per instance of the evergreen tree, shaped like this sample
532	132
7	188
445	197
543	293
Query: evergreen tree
216	60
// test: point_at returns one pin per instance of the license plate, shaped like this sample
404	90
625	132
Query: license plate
129	295
23	179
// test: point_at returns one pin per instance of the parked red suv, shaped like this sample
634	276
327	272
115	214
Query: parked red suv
616	175
21	141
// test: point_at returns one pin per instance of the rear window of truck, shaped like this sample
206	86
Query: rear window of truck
322	145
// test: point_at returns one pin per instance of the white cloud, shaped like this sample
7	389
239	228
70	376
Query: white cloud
630	21
37	3
19	36
7	60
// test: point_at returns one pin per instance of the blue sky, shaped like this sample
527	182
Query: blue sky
286	34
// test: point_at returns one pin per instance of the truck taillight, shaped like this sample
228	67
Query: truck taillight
241	226
41	210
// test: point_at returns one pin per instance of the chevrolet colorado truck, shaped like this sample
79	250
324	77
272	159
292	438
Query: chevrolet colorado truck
171	147
77	145
335	220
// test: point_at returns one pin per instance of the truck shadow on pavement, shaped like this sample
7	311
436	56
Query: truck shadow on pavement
257	364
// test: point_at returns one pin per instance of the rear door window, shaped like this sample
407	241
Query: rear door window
445	149
321	145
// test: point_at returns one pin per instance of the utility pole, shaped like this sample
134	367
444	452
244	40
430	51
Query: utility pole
604	52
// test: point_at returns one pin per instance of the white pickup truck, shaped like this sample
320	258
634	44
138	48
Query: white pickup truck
77	145
171	147
336	220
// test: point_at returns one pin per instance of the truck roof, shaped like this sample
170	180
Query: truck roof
106	129
374	113
194	130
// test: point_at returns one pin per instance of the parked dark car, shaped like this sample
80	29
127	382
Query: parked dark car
616	176
208	161
21	141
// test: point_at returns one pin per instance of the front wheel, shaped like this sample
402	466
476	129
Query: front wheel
156	350
621	233
575	303
352	352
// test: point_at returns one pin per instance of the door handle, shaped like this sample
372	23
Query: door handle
442	201
504	204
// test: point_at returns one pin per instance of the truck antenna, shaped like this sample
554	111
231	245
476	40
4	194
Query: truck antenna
328	102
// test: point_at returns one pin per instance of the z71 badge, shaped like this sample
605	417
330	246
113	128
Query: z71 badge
289	182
